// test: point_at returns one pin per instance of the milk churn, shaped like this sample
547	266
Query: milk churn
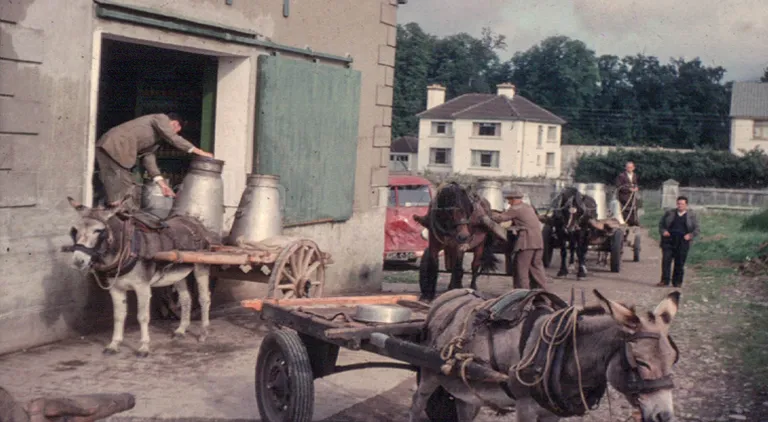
259	214
153	201
491	190
201	194
597	192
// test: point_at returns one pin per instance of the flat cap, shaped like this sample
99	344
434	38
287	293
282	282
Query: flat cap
512	193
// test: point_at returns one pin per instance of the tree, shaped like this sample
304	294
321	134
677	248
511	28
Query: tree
412	63
764	78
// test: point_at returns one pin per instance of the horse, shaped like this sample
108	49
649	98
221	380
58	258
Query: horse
552	360
571	221
118	247
455	226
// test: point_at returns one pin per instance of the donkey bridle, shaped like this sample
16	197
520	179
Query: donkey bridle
127	254
636	384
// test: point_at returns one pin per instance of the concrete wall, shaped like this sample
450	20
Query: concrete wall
746	199
517	144
742	137
571	154
50	55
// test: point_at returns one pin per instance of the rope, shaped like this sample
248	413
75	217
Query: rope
122	253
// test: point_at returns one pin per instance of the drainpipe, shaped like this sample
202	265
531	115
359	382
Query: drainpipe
522	150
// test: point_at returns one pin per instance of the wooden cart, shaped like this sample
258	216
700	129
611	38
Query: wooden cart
608	240
292	267
305	342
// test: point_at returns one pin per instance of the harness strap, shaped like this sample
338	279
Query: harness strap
495	364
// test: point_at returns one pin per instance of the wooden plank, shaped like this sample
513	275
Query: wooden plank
350	333
257	304
217	258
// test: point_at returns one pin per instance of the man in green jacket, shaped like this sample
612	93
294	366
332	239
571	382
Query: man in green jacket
677	227
118	149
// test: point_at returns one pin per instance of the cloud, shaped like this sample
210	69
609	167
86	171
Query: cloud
728	33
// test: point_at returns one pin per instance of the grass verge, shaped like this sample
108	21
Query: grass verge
726	240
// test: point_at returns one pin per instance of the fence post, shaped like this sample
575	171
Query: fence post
670	190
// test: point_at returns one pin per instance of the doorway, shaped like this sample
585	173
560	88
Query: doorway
137	79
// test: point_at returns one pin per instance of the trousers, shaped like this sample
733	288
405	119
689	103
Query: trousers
674	250
529	267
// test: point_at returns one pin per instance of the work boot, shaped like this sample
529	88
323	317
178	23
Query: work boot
499	231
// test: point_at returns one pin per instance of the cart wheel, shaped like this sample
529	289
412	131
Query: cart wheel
441	406
546	234
636	248
298	272
285	390
617	247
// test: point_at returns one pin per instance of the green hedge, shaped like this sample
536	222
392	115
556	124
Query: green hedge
718	169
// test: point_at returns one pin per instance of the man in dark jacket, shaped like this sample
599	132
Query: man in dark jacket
118	149
626	188
678	228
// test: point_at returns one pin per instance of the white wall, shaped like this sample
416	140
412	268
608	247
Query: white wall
742	131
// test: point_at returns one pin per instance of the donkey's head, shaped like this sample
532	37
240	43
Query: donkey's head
91	235
642	369
453	211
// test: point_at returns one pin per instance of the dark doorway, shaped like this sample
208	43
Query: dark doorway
136	80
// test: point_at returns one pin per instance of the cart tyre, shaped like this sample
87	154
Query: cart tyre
546	234
284	379
636	248
299	271
441	406
617	247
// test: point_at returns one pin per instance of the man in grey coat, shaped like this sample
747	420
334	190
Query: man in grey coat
118	149
678	228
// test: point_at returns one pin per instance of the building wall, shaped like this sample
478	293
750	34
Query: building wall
517	146
49	80
742	131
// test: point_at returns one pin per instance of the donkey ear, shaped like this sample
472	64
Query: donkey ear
123	205
667	308
76	205
623	315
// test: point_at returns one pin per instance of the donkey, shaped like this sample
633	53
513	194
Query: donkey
455	223
559	362
115	247
570	220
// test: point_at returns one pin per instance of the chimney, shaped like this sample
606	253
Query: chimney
435	95
507	89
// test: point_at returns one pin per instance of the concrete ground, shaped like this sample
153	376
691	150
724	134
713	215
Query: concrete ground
214	381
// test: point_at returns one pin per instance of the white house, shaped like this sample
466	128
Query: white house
749	117
403	154
488	135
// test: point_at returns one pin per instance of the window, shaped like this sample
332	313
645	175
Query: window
485	158
392	198
442	128
550	159
540	139
413	196
399	162
761	129
440	156
538	160
486	129
552	134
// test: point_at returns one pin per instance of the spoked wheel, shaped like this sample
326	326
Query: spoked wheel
285	390
549	247
617	247
298	272
636	248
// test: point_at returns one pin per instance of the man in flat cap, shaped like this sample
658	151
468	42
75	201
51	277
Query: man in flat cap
529	246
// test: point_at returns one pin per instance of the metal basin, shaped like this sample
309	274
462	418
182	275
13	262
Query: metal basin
388	314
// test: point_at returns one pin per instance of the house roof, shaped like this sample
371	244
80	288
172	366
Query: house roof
749	99
491	107
405	144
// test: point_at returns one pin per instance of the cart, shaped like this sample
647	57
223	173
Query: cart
304	345
292	267
607	240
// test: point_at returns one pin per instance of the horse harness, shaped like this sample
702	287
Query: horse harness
546	363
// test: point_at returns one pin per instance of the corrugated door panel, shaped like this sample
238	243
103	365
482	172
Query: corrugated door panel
306	133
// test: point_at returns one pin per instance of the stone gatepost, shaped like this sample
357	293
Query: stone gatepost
670	190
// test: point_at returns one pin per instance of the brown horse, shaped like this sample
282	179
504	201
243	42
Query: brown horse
455	226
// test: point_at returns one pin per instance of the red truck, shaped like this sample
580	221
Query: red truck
403	237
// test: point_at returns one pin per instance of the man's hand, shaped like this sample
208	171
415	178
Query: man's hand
202	153
167	191
688	236
635	189
665	234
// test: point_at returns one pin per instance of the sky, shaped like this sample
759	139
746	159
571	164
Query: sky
728	33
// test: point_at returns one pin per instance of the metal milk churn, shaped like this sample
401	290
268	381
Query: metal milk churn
153	201
491	190
201	194
597	192
259	214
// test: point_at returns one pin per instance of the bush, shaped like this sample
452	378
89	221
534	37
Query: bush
719	169
757	221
